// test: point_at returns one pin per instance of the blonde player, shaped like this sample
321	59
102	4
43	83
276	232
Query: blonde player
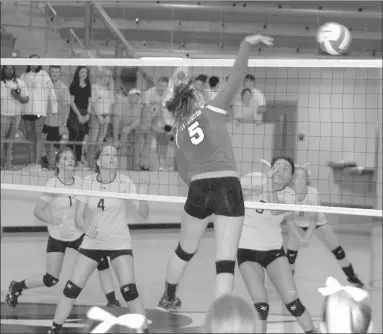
57	211
346	309
261	245
303	224
105	223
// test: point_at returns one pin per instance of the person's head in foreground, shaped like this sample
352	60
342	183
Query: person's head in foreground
346	309
230	314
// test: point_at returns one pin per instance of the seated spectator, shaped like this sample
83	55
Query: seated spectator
41	93
78	121
250	107
102	101
56	124
127	128
230	314
214	87
346	309
14	94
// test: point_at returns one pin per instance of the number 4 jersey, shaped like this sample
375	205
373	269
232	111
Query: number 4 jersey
261	230
108	215
204	142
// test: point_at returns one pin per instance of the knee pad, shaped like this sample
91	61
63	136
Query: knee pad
225	266
183	255
263	310
129	292
296	308
339	253
71	290
103	264
49	280
291	256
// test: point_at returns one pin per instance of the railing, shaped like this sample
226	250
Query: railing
108	21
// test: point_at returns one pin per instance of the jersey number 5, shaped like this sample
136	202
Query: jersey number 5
101	204
196	134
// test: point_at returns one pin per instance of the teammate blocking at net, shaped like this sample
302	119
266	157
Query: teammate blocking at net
261	245
206	162
105	223
302	225
58	211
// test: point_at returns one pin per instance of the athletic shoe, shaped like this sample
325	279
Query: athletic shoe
13	294
114	304
167	305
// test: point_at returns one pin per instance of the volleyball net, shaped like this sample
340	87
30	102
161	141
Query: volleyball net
325	114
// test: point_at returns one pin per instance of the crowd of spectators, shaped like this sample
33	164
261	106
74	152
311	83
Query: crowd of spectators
48	111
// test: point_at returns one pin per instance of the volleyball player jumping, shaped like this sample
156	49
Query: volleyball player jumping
105	223
308	223
205	159
57	211
261	244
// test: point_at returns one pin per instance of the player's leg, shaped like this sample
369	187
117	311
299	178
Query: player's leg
162	148
145	150
106	281
293	246
54	260
280	275
229	213
326	234
254	277
123	265
192	230
86	262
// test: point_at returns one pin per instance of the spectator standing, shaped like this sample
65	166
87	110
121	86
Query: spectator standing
200	87
14	95
214	87
102	101
56	124
41	93
78	121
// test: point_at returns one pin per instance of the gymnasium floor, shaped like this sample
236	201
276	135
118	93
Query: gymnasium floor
24	255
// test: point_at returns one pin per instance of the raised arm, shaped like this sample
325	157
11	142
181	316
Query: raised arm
227	94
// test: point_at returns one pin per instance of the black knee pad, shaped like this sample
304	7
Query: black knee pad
49	280
129	292
296	308
103	264
339	253
225	266
291	256
183	255
263	310
71	290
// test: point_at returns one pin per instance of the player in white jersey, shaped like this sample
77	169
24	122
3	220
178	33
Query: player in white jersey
57	211
303	224
105	223
261	245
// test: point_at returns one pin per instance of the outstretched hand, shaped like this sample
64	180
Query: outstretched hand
256	39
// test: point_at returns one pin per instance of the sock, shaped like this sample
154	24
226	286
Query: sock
56	326
20	286
349	271
111	297
171	290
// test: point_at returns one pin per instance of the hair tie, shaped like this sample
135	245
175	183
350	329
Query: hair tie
133	321
333	286
265	162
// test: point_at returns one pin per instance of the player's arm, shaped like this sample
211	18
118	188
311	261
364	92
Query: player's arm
141	206
272	196
314	219
225	97
295	229
40	210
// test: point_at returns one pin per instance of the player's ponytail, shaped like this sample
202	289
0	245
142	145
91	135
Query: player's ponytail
181	104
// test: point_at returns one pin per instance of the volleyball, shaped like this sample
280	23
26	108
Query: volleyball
334	39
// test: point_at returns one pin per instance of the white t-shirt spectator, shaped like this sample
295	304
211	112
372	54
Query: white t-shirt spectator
9	105
250	111
41	91
102	100
63	100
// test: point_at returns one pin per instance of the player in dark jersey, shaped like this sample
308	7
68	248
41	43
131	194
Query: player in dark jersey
206	162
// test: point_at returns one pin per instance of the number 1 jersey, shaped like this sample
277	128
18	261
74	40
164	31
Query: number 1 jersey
205	143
